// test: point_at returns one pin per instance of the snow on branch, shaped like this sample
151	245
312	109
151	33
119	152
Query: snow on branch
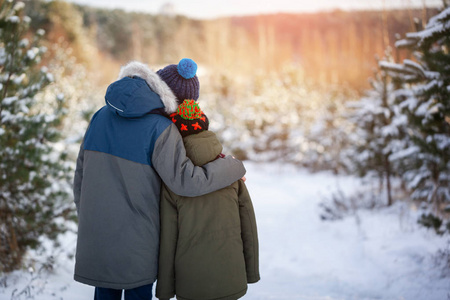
404	153
409	70
421	89
389	66
442	16
429	33
409	64
406	43
438	25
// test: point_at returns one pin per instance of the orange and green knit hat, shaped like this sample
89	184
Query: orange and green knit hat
189	118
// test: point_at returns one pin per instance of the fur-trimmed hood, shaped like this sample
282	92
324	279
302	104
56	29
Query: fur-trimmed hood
141	70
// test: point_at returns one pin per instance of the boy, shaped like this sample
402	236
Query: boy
209	244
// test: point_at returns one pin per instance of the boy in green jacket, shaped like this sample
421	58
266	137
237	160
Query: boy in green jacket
208	244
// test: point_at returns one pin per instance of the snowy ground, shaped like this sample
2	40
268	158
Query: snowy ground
386	256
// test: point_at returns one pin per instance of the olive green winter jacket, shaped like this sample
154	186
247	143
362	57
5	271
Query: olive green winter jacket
209	244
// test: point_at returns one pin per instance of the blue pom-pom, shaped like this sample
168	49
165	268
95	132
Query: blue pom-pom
187	68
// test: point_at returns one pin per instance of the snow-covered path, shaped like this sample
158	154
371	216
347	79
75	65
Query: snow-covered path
388	256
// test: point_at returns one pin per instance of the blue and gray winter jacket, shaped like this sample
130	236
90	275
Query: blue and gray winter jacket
127	150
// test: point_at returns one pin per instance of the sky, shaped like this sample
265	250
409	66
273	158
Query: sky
208	9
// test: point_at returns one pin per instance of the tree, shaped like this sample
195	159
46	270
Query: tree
425	100
33	174
329	139
379	126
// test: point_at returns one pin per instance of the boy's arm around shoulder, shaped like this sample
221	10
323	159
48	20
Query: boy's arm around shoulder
249	233
182	177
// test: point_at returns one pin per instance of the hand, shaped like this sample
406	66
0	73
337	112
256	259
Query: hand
243	179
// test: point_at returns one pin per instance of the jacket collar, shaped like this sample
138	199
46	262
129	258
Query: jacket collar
135	68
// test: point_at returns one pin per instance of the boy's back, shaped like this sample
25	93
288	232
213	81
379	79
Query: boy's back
209	244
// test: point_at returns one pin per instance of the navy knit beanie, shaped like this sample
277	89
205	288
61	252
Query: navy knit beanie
182	80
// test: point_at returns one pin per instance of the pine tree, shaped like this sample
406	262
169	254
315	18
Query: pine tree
328	139
33	175
425	100
379	126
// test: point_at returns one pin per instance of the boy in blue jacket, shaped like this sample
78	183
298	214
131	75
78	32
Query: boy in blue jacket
129	149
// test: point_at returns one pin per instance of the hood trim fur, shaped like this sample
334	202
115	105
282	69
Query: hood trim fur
135	68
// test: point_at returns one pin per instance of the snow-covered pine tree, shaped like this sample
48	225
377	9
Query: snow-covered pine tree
328	140
425	100
33	175
379	125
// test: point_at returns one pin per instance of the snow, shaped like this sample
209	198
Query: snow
18	6
409	69
411	102
413	65
442	141
378	254
32	53
6	116
24	43
422	109
391	66
405	153
50	77
19	79
49	118
9	100
427	74
389	130
418	178
439	17
437	25
405	43
13	19
2	58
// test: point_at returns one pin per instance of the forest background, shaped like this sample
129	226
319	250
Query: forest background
292	88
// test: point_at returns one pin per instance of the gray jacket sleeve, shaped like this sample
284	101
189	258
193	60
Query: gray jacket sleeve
78	178
182	177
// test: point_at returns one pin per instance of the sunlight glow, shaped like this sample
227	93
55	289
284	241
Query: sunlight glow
205	9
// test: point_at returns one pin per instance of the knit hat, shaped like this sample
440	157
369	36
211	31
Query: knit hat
189	118
181	79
